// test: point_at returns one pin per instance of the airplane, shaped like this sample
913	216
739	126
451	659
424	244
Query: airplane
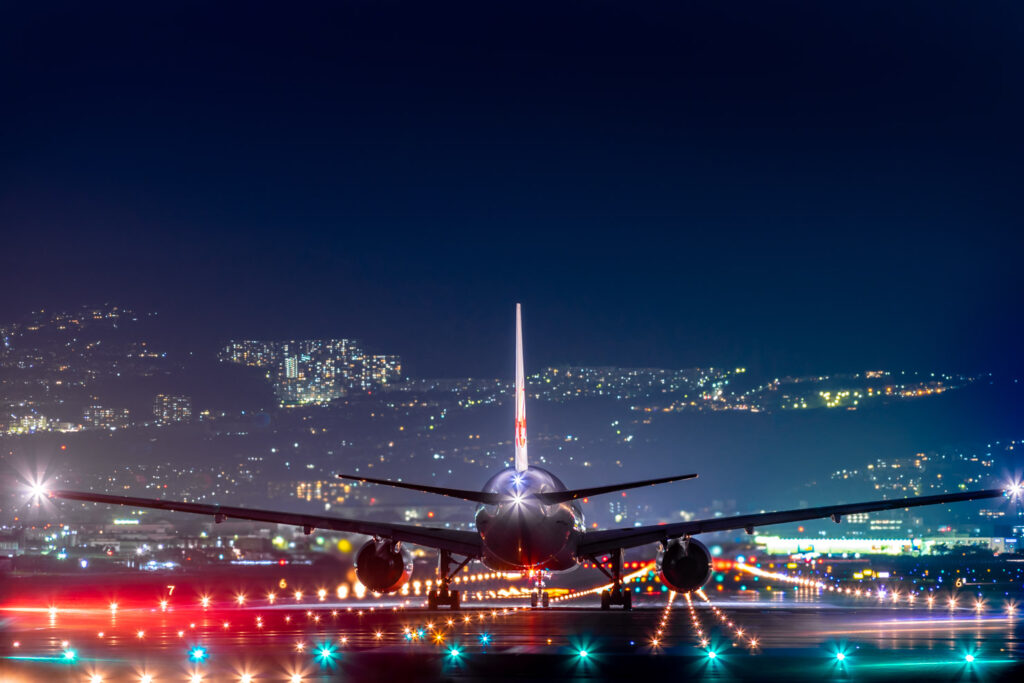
527	520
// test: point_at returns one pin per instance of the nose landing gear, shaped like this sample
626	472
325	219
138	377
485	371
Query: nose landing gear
539	596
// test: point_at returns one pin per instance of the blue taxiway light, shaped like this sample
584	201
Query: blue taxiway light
485	638
197	654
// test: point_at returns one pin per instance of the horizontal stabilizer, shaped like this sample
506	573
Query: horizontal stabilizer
474	496
554	497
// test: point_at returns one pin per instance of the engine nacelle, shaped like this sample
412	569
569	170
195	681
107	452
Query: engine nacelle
685	564
383	566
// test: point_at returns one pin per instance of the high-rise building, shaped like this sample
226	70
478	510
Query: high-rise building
382	370
315	371
169	409
98	417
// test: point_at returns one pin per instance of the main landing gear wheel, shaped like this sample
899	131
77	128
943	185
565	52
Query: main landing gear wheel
540	598
545	600
444	596
617	595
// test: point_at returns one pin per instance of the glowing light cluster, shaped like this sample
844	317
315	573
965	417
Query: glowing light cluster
603	587
740	635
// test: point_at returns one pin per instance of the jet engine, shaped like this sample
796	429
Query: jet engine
383	566
684	564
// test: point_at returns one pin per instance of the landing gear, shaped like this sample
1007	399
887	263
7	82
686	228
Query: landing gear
444	596
617	595
539	596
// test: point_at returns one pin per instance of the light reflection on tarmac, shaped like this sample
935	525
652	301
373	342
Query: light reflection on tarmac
362	640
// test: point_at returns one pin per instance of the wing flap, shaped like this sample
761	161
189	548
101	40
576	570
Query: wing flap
459	542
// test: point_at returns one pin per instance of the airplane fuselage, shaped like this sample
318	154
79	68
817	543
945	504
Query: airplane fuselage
523	533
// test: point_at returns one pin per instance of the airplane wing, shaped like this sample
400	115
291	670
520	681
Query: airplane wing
459	542
598	542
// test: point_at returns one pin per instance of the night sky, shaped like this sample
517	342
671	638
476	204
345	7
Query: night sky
791	187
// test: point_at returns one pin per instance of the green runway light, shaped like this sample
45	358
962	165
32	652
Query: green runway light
583	654
712	654
969	658
454	652
197	654
70	655
840	656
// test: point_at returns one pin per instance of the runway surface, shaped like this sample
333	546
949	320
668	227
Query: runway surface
791	638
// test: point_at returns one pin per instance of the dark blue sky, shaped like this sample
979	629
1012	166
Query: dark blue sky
788	186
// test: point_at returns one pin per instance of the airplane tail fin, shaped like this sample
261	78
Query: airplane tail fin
522	462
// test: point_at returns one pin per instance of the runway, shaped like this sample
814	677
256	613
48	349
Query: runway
727	638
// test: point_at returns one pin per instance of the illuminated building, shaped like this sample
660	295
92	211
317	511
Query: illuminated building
381	370
98	417
775	545
168	409
315	371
